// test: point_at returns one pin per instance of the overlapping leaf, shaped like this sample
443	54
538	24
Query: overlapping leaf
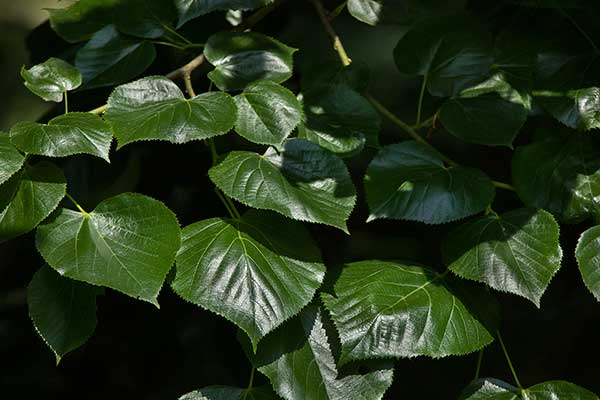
230	393
385	309
51	79
516	252
331	72
588	258
257	271
409	181
267	113
154	108
65	135
110	58
339	119
302	181
299	362
63	311
577	109
127	243
10	158
494	389
190	9
244	57
560	173
28	197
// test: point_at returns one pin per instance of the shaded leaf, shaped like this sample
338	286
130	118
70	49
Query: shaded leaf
303	182
154	108
63	311
65	135
375	12
244	57
577	109
190	9
110	58
51	79
409	181
494	389
230	393
128	243
385	309
28	197
516	252
257	271
267	113
560	173
588	258
318	74
11	160
299	362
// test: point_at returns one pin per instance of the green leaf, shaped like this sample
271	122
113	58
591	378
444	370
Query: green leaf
303	182
299	362
452	51
494	389
409	181
63	311
560	173
385	309
190	9
339	119
11	160
588	258
110	58
375	12
65	135
51	79
517	252
267	113
515	56
577	109
244	57
331	72
154	108
229	393
561	70
28	197
257	271
128	243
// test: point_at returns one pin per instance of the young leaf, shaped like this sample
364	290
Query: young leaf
453	52
11	160
128	243
560	173
494	389
409	181
257	271
267	113
154	108
244	57
516	252
339	119
63	311
577	109
299	362
110	58
588	258
28	197
303	182
384	309
190	9
65	135
229	393
51	79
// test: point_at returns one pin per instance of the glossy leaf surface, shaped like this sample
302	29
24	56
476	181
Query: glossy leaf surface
51	79
10	158
588	258
494	389
190	9
577	109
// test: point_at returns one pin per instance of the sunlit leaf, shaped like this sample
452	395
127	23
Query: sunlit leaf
51	79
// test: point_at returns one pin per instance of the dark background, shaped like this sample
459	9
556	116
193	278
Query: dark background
140	352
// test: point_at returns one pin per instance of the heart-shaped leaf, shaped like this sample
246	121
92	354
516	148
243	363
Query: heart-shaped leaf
267	113
588	258
244	57
28	197
516	252
230	393
128	243
303	182
51	79
63	311
256	272
409	181
154	108
110	58
577	109
300	364
560	173
190	9
11	160
65	135
384	309
494	389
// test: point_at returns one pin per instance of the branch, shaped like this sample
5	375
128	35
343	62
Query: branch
337	43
